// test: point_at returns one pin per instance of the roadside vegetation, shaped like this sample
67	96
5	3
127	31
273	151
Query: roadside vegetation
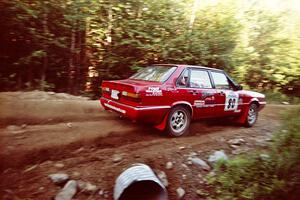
279	97
273	173
71	46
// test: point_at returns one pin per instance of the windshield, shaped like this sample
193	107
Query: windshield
154	73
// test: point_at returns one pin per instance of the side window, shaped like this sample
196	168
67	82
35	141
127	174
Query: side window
183	79
220	80
200	79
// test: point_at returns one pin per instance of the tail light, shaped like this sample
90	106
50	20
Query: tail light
105	89
130	94
136	97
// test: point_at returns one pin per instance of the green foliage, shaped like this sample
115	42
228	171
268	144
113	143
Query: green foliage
272	174
279	97
111	37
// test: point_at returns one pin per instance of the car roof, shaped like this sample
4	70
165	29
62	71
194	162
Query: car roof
195	66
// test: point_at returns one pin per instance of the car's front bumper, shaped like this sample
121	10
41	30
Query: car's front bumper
148	114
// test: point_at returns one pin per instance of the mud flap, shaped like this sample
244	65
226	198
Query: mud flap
242	119
162	125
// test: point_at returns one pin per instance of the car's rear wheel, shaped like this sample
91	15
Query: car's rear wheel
252	115
178	121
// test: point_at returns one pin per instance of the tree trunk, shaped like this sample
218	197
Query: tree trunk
83	52
19	80
29	77
71	60
45	48
78	61
110	25
193	15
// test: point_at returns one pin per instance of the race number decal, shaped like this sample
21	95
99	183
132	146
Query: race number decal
232	101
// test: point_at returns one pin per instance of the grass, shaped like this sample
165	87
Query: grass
272	174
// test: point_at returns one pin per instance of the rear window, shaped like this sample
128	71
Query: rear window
154	73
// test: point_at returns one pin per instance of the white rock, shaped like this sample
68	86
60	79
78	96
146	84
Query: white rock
200	176
68	191
24	126
70	125
285	103
101	192
200	163
81	149
59	165
264	156
90	188
13	128
185	166
87	187
236	141
192	154
234	146
240	150
162	177
169	165
76	174
117	158
59	178
180	192
216	156
212	173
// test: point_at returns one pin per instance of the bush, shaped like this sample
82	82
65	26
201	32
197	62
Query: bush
278	97
273	174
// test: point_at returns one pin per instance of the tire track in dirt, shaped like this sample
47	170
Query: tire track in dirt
87	147
37	143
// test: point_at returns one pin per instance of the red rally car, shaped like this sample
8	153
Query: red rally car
169	96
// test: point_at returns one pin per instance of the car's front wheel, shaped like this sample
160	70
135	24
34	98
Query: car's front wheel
178	121
252	115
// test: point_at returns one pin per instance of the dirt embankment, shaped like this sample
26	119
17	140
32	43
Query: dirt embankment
76	136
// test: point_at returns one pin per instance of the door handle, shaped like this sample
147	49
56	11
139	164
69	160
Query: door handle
193	92
222	93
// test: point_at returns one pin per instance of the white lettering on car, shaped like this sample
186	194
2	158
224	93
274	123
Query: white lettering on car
199	103
153	91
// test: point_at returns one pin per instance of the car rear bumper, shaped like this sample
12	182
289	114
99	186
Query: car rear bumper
148	114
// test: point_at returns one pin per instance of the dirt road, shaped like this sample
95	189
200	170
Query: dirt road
40	137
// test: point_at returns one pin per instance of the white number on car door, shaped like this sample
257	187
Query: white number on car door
231	101
227	99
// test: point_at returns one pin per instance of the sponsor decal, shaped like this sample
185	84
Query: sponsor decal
153	91
199	103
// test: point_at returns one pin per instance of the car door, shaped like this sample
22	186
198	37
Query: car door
226	98
198	91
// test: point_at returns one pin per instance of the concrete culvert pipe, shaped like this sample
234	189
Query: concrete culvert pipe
139	183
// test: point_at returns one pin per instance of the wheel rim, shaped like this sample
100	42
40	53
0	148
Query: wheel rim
178	121
252	115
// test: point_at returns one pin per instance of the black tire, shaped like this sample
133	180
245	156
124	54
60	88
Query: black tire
252	115
179	118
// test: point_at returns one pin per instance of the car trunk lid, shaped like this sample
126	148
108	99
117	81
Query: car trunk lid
126	91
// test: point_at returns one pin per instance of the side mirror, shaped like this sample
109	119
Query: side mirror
239	87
